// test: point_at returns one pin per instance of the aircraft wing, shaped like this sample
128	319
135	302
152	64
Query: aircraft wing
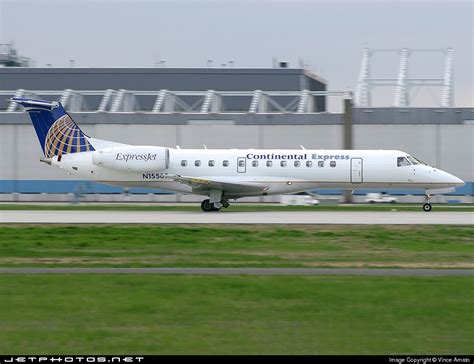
201	184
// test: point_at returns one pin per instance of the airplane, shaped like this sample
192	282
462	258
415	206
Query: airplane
225	174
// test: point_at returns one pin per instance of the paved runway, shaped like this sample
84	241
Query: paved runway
229	217
248	271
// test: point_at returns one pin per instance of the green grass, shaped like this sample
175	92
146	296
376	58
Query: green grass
232	208
107	314
157	314
237	246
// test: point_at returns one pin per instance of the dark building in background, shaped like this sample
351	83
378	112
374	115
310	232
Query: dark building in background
173	79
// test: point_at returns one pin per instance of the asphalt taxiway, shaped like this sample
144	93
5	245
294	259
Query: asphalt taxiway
248	271
229	217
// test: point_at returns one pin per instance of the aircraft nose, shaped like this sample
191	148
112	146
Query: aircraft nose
453	180
446	178
457	181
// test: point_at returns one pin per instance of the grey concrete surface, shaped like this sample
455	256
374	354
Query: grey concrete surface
229	217
247	271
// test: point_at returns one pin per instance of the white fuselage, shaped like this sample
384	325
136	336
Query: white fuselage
280	171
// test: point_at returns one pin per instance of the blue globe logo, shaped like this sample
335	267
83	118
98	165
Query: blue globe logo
65	137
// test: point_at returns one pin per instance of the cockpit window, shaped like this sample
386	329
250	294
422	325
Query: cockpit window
413	160
402	161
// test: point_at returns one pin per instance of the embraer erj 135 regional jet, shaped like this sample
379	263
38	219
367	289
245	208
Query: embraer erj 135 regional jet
225	174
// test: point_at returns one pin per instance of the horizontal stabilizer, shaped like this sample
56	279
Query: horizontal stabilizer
30	104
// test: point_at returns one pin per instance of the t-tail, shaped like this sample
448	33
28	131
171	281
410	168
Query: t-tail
57	133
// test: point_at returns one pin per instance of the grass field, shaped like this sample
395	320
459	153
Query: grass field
235	315
172	314
233	208
238	246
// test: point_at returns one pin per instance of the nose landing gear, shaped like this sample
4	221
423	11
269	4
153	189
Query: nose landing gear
427	206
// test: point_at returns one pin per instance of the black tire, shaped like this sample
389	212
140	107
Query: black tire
427	207
207	206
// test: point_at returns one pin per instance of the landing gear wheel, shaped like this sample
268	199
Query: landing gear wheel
427	207
207	206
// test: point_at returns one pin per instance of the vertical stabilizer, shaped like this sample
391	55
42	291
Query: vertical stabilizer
57	133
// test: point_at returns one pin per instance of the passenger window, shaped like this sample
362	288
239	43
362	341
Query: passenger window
402	161
321	164
197	163
184	163
211	163
254	163
297	163
225	163
283	164
309	164
269	163
332	163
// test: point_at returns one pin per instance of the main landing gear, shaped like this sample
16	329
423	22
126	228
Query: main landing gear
208	206
215	202
427	206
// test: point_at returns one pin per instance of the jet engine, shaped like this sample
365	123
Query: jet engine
132	158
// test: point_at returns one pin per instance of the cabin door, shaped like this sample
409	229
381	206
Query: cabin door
241	165
356	170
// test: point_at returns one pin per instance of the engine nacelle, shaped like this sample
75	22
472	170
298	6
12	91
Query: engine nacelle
132	158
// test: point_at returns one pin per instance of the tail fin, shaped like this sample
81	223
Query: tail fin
57	133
